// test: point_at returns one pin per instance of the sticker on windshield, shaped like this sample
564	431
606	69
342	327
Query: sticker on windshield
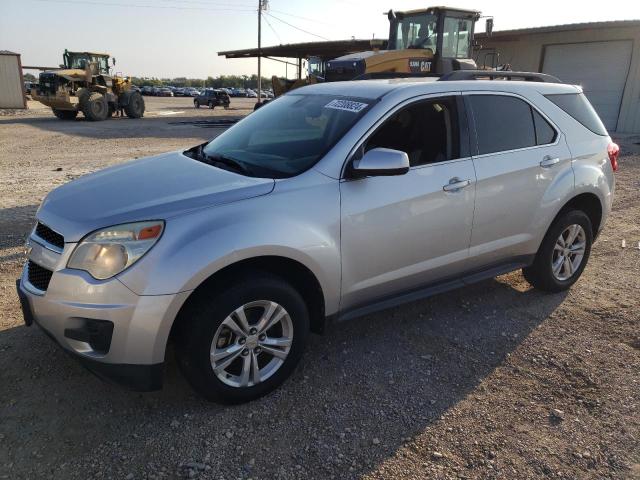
347	105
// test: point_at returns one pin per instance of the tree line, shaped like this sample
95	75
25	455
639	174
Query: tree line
221	81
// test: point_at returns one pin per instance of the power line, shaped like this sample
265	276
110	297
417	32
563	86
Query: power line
272	29
172	7
299	17
297	28
213	3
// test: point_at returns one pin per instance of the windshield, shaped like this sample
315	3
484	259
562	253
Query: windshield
415	31
289	135
81	61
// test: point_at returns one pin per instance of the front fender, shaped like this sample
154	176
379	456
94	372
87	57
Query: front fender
301	224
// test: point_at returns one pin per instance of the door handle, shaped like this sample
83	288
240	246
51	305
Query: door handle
456	184
549	161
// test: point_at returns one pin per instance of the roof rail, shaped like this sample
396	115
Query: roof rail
498	75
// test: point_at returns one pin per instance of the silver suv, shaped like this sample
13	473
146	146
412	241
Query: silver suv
331	202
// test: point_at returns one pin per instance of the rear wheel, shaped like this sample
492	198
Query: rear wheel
243	342
563	254
95	107
135	107
65	114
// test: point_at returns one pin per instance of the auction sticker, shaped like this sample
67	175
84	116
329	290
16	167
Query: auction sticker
347	105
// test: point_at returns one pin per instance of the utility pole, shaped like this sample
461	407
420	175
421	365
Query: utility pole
262	4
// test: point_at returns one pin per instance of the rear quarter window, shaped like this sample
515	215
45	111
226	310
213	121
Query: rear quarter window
578	107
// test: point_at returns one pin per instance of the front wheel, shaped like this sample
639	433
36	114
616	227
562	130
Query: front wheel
95	107
563	254
244	341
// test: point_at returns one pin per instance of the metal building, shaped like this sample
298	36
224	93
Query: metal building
603	57
11	81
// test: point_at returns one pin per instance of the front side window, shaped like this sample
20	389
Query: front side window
289	135
456	37
426	131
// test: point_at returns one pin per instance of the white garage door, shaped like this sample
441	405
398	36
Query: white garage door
601	69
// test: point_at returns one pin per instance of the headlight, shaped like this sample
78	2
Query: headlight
109	251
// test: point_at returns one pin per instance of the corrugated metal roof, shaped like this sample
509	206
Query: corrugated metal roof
326	50
563	28
7	52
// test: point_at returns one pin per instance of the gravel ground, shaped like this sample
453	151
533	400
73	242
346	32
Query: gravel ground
493	381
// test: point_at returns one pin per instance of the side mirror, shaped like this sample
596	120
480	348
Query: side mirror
380	162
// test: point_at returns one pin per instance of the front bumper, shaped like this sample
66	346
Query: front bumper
132	354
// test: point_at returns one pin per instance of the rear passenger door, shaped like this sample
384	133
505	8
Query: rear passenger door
521	161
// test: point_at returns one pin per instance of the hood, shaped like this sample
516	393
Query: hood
70	73
359	55
148	189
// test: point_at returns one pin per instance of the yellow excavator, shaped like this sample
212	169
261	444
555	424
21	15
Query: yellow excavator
435	40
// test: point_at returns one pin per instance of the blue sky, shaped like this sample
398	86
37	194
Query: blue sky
168	38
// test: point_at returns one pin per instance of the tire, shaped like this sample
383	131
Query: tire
95	107
202	322
196	104
211	105
65	114
541	273
83	95
135	106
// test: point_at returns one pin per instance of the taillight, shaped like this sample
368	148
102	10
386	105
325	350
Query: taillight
613	150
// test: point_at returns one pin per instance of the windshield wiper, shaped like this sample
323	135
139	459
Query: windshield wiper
198	153
228	162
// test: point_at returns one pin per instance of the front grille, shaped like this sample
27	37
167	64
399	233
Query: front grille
49	236
38	276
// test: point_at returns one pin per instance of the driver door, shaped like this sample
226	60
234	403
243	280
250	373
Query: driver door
405	232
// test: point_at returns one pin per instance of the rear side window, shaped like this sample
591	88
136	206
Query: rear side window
544	132
577	105
502	123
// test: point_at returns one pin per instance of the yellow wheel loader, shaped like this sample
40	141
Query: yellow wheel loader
84	84
435	40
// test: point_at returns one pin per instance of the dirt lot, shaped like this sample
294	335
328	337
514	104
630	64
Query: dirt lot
496	381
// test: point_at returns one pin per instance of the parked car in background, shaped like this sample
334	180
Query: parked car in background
179	92
146	90
191	92
251	93
425	186
164	92
212	98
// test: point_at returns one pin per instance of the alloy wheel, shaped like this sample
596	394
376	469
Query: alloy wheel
251	344
568	252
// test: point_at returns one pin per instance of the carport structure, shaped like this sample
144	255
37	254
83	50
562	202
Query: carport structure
302	51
